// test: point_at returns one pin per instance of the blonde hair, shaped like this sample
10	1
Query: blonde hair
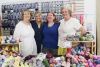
39	14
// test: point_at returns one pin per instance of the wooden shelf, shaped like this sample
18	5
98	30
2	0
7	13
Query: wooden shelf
92	45
10	44
82	41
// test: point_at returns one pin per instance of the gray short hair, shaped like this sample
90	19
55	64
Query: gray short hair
68	8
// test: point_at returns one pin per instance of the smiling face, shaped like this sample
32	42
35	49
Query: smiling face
50	17
66	13
26	15
38	17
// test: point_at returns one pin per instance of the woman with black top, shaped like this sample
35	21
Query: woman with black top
37	26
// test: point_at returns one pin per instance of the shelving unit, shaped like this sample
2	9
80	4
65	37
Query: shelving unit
90	44
10	46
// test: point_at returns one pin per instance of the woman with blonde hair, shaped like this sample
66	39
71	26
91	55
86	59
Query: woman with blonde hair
37	26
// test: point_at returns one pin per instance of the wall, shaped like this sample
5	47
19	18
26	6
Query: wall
98	24
90	14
